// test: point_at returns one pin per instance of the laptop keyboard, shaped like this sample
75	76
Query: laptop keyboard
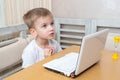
65	64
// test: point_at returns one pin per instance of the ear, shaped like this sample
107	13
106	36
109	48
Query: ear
33	32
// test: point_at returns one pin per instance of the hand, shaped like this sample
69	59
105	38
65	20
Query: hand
48	51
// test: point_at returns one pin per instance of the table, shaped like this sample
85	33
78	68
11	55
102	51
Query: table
105	69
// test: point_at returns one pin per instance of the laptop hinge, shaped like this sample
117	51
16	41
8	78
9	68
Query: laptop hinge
72	75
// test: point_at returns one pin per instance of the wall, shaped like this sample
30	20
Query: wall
87	9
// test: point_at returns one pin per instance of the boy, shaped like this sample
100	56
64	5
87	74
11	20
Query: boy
41	26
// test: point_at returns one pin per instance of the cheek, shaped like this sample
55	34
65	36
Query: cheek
43	33
54	29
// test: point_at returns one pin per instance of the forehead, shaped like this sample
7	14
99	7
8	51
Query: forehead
44	19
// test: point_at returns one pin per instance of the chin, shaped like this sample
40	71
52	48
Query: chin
51	38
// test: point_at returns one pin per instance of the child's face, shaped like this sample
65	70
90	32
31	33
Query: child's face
44	27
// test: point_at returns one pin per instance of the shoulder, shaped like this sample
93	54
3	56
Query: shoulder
30	48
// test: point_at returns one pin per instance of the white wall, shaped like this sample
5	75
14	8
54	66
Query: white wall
87	9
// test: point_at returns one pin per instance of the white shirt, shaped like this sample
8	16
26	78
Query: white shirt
33	53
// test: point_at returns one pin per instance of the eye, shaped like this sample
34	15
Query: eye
52	23
44	26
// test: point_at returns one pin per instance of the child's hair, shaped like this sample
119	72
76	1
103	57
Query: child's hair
31	16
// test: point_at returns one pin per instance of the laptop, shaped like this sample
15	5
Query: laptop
72	64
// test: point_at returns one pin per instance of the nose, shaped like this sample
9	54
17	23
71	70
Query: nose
51	27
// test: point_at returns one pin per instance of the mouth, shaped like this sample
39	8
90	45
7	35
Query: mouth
52	34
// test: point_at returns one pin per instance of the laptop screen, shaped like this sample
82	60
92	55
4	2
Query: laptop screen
90	50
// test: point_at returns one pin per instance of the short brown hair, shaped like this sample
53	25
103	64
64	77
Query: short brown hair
31	16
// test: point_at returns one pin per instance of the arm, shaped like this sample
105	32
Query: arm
28	59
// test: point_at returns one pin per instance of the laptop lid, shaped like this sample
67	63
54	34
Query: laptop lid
90	50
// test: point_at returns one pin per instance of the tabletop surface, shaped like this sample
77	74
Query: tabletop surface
105	69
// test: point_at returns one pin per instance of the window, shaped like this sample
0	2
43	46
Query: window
12	11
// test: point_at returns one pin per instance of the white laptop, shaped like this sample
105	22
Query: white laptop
73	63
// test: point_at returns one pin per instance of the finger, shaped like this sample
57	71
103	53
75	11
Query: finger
52	51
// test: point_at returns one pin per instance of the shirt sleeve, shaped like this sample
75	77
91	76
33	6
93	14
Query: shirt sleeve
28	59
58	47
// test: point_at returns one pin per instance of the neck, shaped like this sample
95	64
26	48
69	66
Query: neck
42	42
